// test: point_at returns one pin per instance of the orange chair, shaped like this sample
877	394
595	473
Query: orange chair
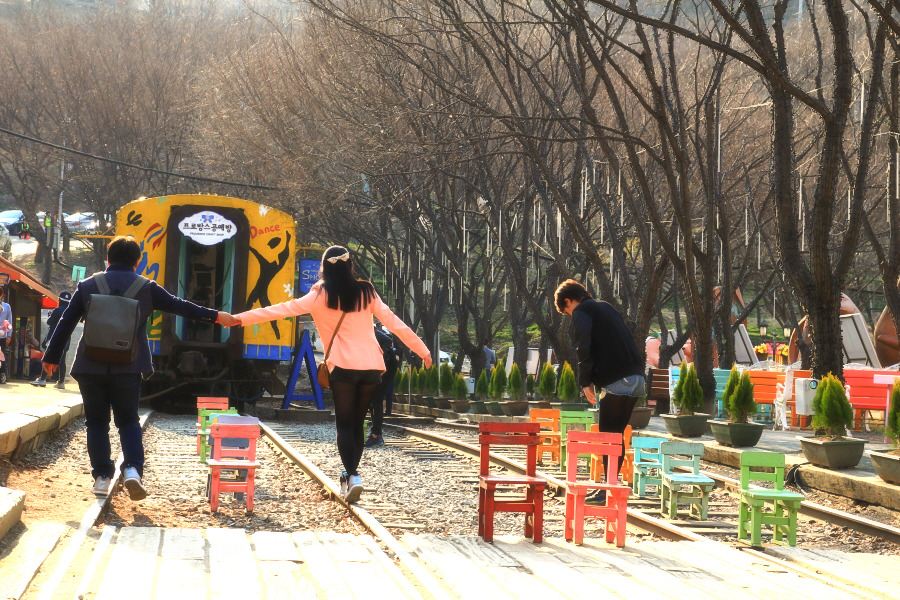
548	418
613	511
627	463
233	449
510	434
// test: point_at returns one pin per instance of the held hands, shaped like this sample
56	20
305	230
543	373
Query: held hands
427	360
227	320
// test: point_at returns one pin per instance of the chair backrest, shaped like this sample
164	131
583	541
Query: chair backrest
755	466
547	417
230	419
492	433
646	448
222	431
857	345
744	354
595	428
680	454
212	403
593	442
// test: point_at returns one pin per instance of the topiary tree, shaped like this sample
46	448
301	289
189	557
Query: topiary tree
498	381
400	382
516	386
547	382
677	392
831	409
892	422
448	379
529	384
481	386
416	376
741	405
734	378
568	387
460	390
690	399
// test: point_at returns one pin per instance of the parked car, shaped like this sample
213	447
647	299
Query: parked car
12	220
81	222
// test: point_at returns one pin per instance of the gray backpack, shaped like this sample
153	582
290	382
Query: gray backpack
111	323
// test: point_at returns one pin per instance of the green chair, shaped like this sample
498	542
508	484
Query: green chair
647	465
683	488
581	421
205	417
755	466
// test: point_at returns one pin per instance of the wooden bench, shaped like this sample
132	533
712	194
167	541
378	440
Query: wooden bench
658	395
721	376
765	388
865	394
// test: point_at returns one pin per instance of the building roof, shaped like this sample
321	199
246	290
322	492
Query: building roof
17	273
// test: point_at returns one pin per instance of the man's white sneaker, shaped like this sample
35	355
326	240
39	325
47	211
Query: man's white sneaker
133	484
39	381
101	486
355	489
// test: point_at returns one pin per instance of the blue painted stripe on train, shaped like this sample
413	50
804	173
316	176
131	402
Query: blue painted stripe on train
155	347
268	352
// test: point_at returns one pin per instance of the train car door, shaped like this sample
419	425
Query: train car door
206	248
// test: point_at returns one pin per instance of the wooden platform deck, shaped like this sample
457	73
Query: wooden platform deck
149	563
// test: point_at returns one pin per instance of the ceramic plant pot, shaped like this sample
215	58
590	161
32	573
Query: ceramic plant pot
514	408
640	417
832	454
683	426
736	435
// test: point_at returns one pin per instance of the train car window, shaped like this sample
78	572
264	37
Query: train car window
206	278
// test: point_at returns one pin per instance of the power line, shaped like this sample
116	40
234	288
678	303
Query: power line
133	166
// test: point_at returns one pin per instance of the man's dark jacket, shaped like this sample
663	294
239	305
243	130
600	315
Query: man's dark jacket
606	350
151	297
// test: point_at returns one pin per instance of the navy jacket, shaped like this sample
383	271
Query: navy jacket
151	297
606	350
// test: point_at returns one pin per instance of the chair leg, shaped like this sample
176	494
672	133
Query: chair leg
489	515
214	489
538	516
568	531
481	511
251	484
673	503
529	515
792	523
578	520
743	517
621	520
756	524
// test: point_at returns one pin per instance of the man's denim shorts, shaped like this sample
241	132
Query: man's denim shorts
633	385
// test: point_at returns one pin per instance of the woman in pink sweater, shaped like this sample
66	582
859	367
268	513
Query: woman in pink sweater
355	363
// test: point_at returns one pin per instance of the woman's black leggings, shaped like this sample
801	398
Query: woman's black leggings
614	414
351	403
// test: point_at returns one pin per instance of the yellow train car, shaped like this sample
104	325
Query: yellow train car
223	253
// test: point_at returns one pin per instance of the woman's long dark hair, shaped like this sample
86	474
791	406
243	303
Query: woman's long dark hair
345	292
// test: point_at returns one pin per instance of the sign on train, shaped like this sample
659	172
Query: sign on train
207	228
309	274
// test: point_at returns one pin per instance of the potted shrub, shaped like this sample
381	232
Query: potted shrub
738	431
547	383
688	398
567	390
887	461
496	389
400	385
529	386
460	401
446	380
431	386
516	406
832	412
481	392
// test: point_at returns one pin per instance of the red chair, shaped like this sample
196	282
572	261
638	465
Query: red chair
510	434
614	510
233	449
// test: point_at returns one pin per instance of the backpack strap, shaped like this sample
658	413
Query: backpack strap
136	286
100	280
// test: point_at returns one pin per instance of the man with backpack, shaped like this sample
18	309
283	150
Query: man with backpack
112	356
391	362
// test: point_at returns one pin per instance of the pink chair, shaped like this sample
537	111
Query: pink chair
613	511
233	449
